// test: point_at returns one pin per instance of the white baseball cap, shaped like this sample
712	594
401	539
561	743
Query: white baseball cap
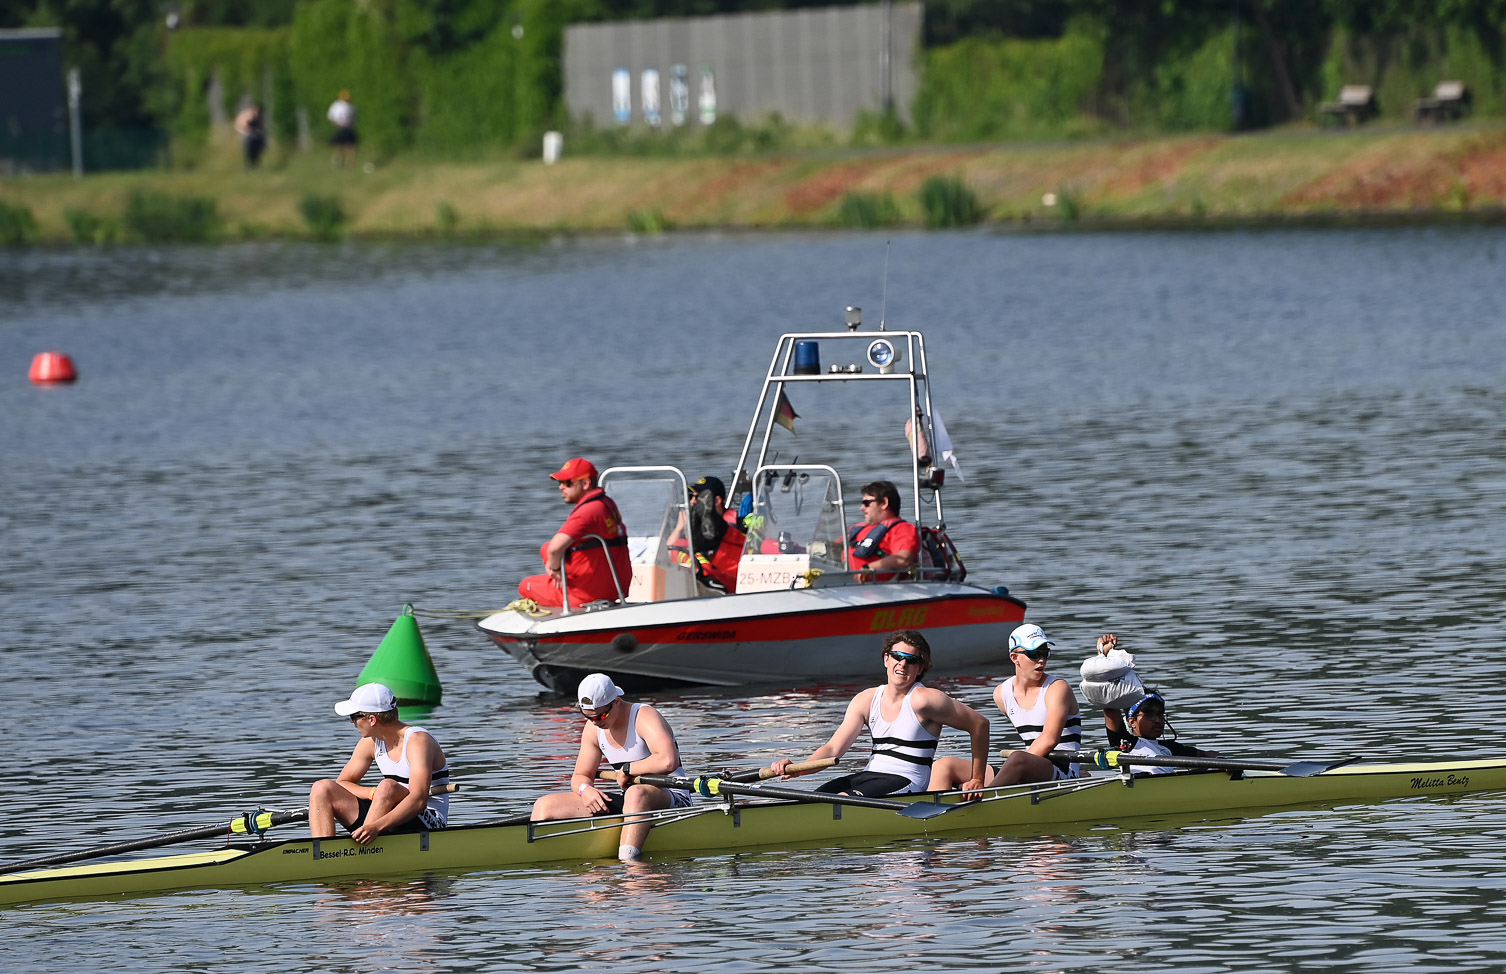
1027	638
597	690
369	698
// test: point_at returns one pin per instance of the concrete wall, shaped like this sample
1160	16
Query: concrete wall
815	65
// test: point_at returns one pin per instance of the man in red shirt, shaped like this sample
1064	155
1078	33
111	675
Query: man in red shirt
590	566
884	540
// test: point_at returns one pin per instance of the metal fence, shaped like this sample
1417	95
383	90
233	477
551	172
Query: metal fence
821	65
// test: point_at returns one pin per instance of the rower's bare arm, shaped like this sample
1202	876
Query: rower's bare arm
941	709
664	753
852	725
587	762
1059	706
355	769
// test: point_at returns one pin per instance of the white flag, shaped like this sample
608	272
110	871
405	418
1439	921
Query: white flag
944	443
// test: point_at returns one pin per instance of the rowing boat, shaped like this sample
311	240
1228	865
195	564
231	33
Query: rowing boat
728	824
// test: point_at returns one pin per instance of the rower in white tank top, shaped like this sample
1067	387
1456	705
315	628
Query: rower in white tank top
1031	721
437	814
901	746
635	749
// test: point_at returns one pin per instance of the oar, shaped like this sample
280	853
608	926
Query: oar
763	774
711	786
248	823
1118	759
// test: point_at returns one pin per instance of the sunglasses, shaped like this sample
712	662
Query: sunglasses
899	657
356	717
1035	655
869	502
598	715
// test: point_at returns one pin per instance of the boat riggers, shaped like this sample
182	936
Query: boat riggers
711	786
1105	758
248	823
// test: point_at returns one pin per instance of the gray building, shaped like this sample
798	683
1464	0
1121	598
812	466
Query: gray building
33	104
820	65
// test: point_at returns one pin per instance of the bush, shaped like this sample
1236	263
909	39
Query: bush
89	228
16	224
947	202
866	210
159	218
324	215
445	218
650	221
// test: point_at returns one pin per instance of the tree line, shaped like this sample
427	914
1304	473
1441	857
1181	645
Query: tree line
1282	54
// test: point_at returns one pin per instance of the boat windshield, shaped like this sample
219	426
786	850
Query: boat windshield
797	510
652	501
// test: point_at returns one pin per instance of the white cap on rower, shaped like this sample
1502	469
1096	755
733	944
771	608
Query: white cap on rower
1027	638
369	698
597	690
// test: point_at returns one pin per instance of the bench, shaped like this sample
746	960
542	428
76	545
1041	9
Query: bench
1356	104
1449	103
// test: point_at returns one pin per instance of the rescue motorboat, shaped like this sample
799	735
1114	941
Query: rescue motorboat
798	612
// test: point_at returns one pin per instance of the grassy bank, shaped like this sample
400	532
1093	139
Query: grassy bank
1293	174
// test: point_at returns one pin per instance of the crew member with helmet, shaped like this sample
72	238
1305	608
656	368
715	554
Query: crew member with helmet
590	550
1147	722
884	541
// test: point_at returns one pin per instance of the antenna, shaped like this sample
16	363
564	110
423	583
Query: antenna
884	300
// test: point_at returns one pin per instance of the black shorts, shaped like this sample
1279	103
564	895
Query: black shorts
872	784
344	137
414	824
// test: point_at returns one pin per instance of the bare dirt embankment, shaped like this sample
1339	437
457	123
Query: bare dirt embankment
1299	174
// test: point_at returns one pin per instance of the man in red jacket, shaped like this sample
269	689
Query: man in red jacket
573	554
883	540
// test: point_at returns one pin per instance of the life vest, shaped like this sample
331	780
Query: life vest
868	549
590	567
721	567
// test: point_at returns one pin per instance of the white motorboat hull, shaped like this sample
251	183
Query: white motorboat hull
761	637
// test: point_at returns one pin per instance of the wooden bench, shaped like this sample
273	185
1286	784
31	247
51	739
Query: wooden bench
1356	104
1449	103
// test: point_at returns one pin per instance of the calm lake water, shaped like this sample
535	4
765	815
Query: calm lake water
1275	462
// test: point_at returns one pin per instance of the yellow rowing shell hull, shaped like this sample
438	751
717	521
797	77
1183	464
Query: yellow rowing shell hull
717	828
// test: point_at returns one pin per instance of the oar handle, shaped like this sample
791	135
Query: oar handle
798	768
448	788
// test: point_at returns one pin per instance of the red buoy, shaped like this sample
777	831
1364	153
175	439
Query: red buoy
50	367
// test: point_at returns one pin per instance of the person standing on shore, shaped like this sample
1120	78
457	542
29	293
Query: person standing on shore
342	114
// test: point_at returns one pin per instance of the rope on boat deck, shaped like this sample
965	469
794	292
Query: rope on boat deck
464	614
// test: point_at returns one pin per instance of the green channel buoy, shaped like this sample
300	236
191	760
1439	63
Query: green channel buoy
403	665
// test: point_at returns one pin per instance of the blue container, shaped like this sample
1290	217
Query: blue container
807	358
